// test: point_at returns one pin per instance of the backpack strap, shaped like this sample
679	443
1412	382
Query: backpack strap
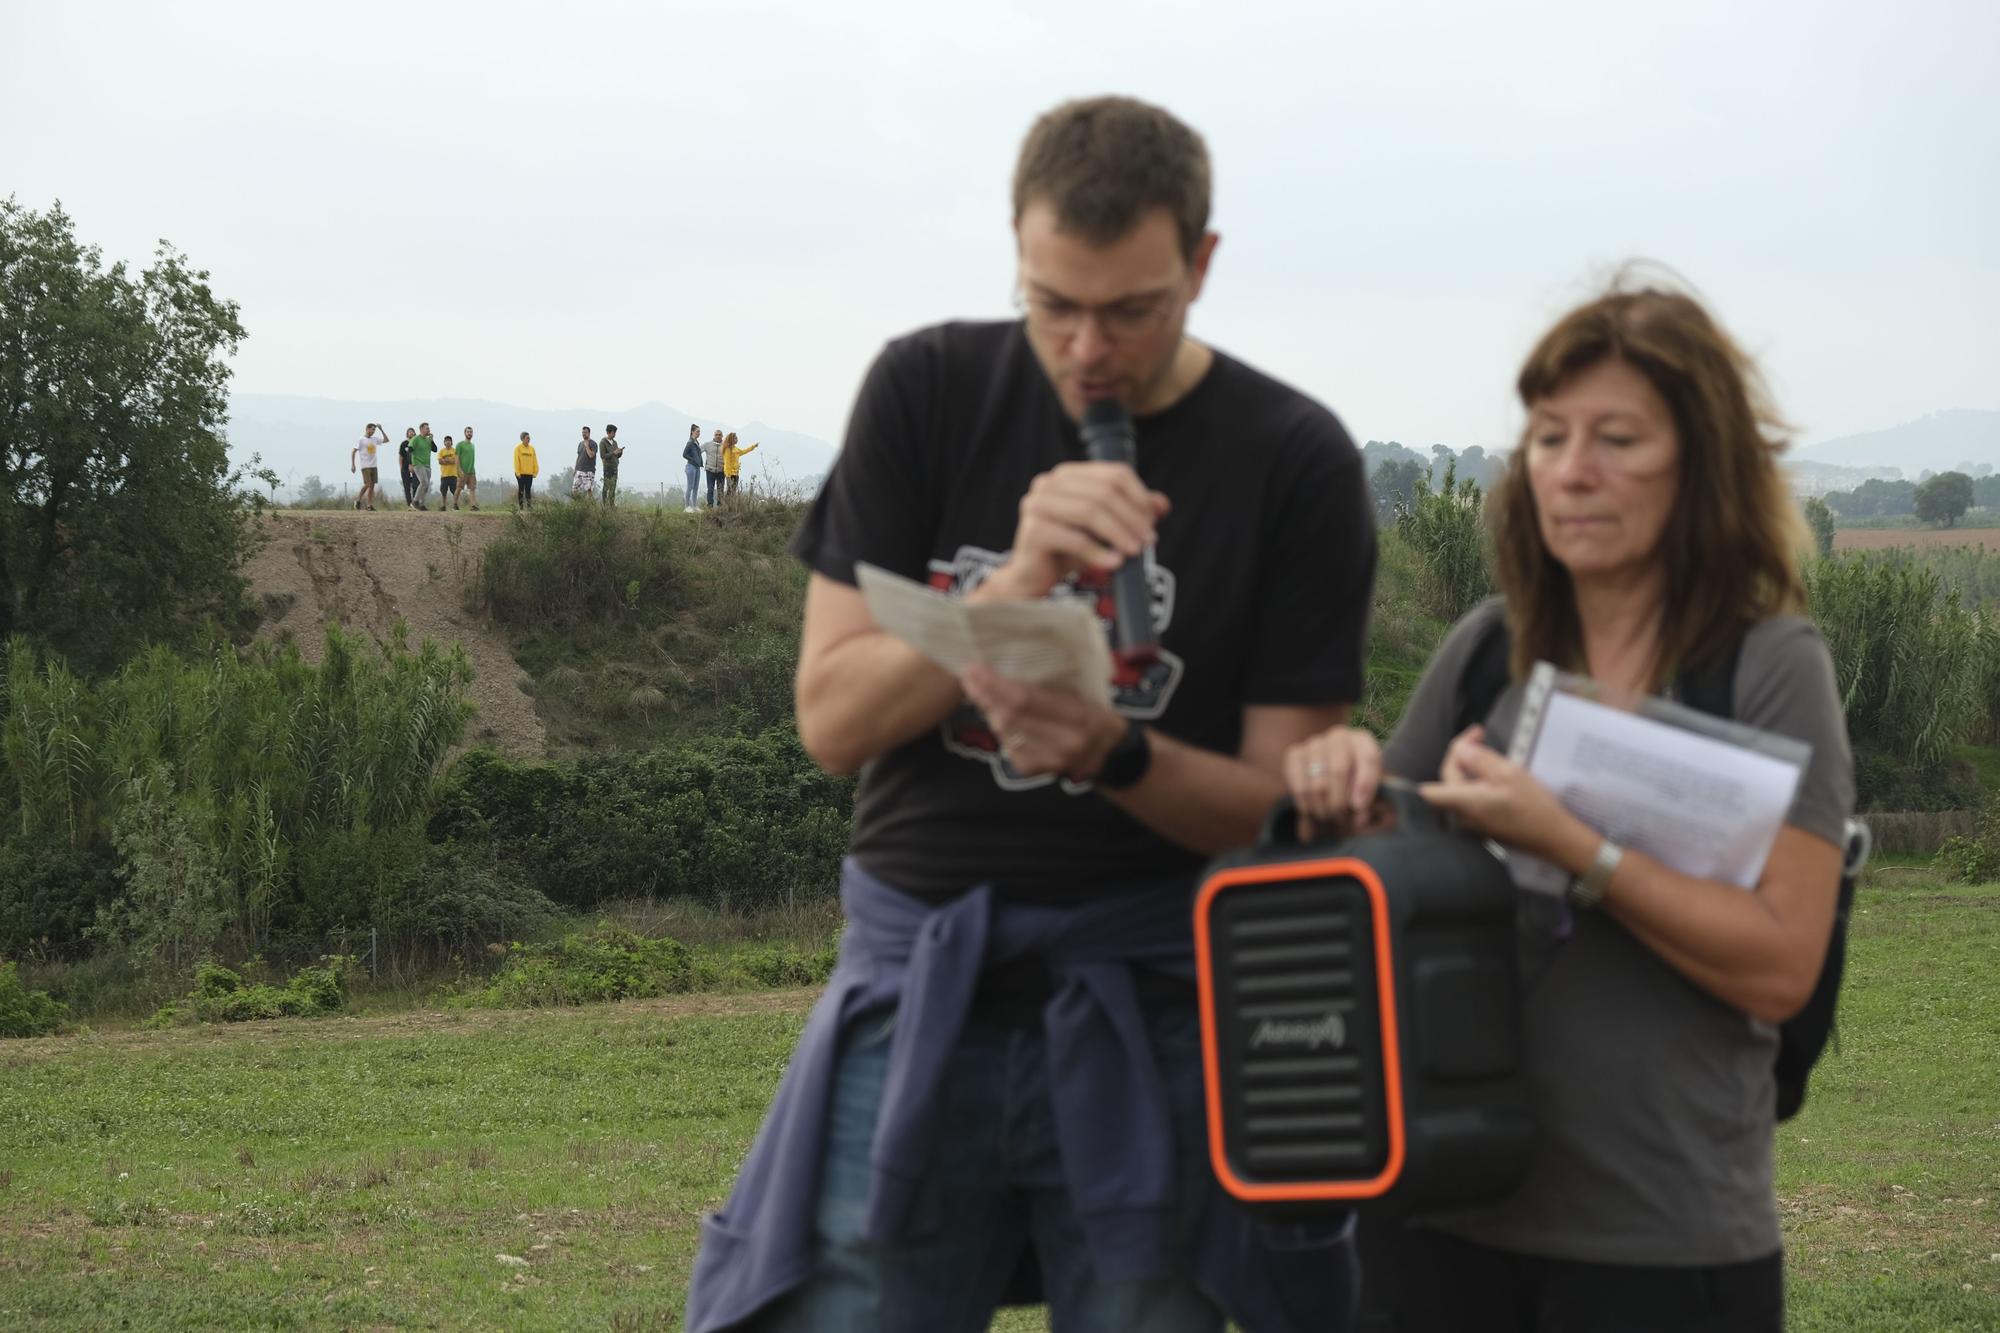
1711	687
1485	676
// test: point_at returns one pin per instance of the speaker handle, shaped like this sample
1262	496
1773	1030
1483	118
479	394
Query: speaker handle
1397	796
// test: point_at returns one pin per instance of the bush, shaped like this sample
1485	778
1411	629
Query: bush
732	821
566	565
789	965
1975	859
607	962
208	775
50	893
437	899
1446	530
1911	661
220	995
23	1012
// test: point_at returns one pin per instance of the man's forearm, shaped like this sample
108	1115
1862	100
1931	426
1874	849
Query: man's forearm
867	695
1204	801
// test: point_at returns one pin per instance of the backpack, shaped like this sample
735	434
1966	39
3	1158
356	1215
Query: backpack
1710	688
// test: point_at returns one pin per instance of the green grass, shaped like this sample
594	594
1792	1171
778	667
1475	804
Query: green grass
371	1171
1890	1179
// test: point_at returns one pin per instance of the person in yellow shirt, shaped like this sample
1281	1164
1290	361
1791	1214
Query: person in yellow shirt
732	463
526	468
447	476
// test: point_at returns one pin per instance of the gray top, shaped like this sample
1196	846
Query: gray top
1654	1099
711	455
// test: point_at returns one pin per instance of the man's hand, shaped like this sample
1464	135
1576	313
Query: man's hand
1075	516
1045	731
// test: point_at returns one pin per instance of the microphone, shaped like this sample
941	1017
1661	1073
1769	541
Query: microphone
1108	437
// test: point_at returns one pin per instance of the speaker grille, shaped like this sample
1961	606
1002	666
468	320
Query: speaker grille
1299	1030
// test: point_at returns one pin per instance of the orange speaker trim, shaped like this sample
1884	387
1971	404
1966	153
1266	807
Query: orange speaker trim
1392	1064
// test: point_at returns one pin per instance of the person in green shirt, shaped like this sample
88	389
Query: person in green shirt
468	480
421	449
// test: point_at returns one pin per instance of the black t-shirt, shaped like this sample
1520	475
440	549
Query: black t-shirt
1261	583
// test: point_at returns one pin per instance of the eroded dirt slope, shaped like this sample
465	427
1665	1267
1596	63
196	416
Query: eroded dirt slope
364	571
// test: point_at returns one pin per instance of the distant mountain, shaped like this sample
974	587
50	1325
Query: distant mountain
301	437
1957	440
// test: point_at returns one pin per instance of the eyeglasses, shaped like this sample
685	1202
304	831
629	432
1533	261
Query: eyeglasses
1119	321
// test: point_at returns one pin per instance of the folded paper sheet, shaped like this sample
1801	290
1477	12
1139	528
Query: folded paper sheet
1054	643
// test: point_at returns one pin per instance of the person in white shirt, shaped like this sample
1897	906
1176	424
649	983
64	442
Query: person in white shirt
362	458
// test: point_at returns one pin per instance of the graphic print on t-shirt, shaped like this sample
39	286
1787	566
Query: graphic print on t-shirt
1138	694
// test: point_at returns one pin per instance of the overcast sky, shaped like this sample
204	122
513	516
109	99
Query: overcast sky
729	206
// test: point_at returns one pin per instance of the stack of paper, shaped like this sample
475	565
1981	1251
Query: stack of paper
1696	793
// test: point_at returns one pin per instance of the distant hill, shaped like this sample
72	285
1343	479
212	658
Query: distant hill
301	437
1956	440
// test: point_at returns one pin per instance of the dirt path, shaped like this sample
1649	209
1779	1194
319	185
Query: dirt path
365	571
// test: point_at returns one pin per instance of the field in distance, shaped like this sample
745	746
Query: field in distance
1876	539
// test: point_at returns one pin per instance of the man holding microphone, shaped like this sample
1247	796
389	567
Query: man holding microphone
999	1094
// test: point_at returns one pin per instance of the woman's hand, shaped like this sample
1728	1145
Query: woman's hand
1333	778
1498	799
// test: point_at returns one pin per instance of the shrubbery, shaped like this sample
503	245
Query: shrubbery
565	565
612	962
1447	530
23	1012
607	962
221	996
1975	859
201	779
730	820
1917	670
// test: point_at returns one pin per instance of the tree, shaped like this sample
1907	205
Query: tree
1944	498
1875	498
1820	519
313	491
1395	486
121	519
1986	491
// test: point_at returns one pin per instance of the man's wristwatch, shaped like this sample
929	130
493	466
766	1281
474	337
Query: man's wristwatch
1587	890
1127	761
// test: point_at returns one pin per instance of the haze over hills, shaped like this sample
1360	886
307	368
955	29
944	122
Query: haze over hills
1959	439
301	436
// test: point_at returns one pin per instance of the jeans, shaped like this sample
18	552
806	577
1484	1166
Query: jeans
1004	1190
423	496
694	483
526	485
714	485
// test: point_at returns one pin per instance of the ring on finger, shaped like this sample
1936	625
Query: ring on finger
1315	769
1013	741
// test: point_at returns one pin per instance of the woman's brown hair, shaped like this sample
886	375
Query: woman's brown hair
1731	545
729	438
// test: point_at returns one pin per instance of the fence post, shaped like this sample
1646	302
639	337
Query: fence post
374	957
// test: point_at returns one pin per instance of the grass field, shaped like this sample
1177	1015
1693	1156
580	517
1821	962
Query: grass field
1876	539
544	1170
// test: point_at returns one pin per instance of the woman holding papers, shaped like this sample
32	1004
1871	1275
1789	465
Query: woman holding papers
1642	531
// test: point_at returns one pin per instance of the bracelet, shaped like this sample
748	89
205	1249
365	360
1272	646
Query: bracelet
1587	890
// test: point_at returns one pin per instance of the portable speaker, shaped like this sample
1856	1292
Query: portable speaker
1361	1019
